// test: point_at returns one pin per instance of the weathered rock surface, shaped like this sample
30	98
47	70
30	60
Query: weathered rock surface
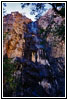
50	18
14	26
36	75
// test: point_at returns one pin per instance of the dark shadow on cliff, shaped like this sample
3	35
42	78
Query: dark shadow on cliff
35	79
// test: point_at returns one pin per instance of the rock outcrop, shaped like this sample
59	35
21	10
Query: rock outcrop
14	26
51	19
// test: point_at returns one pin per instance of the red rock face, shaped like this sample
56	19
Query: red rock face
14	26
58	50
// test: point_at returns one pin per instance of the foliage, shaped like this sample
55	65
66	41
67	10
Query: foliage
4	8
8	70
4	35
36	8
61	6
41	31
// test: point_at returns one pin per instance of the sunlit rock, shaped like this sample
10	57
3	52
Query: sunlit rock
14	25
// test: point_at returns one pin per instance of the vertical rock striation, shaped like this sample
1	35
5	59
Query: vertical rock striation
14	26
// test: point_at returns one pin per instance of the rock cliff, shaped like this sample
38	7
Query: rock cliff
39	69
14	27
51	19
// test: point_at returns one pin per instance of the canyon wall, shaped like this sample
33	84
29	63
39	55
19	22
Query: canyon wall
14	27
51	19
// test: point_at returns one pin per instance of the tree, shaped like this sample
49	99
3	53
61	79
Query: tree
60	11
4	8
38	8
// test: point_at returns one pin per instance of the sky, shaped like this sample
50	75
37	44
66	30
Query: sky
12	7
